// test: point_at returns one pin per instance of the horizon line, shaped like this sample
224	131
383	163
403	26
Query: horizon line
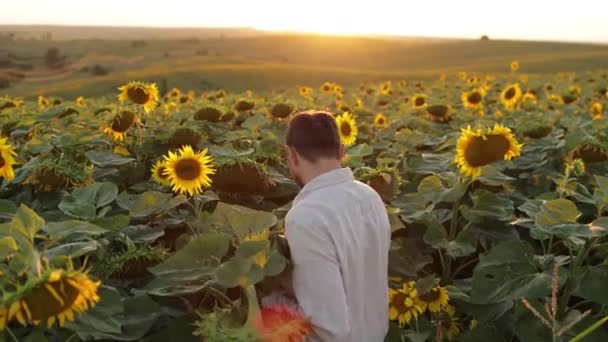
305	32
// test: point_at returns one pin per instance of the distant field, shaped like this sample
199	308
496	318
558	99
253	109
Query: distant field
242	59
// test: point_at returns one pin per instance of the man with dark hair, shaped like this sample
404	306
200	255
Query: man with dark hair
338	234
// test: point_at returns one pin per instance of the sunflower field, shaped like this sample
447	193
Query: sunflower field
143	216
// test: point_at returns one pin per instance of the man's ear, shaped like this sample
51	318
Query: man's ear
292	155
341	152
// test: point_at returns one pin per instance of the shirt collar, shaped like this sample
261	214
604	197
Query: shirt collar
325	179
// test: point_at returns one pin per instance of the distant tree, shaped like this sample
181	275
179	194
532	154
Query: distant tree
99	70
4	83
138	43
53	58
485	38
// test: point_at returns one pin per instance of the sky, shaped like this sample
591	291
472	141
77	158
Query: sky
556	20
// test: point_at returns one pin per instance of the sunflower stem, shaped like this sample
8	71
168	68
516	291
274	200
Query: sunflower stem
253	305
463	266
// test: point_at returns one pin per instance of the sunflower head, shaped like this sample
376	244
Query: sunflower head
158	174
208	114
305	92
281	110
43	102
514	66
435	299
597	109
7	160
538	131
380	121
347	128
510	96
404	303
462	75
174	93
482	146
145	94
326	87
473	99
419	101
241	176
439	113
120	124
80	102
575	89
188	171
55	173
451	322
184	136
384	180
569	98
589	153
55	296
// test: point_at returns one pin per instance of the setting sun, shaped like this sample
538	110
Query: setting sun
521	19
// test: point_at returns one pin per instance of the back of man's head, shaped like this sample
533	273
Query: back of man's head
314	135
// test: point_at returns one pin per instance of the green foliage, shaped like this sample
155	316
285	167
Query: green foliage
172	265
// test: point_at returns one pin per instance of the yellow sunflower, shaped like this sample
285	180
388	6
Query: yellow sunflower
174	93
380	121
189	171
436	299
261	257
386	88
514	66
510	96
337	89
169	107
474	80
54	297
80	102
483	146
326	87
575	89
404	304
462	75
305	91
556	99
419	101
452	324
158	174
7	160
529	98
347	128
359	104
10	103
145	94
121	124
597	109
43	102
473	99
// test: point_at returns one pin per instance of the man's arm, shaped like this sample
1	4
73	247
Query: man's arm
317	282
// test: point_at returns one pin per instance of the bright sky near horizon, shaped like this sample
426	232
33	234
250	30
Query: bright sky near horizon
561	20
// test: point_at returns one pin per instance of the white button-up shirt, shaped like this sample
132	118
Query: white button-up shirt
339	236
